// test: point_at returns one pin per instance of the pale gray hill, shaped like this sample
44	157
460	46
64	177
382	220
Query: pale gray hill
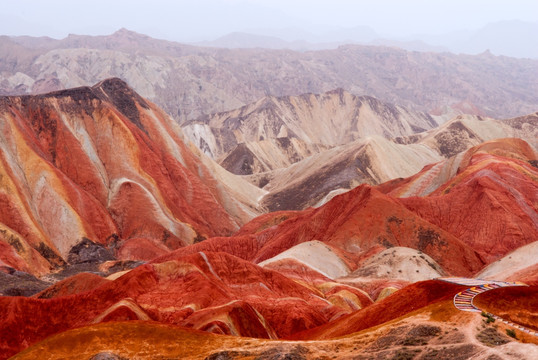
275	132
375	160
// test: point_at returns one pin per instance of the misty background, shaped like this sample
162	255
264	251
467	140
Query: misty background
461	26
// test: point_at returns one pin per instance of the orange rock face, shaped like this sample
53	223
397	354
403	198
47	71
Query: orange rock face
410	298
104	164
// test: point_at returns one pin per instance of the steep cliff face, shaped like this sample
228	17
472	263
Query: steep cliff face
104	164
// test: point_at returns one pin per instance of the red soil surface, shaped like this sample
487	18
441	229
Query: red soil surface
75	284
214	291
141	249
518	304
402	302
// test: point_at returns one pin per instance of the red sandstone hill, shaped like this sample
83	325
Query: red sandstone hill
214	285
355	223
411	298
420	321
491	201
215	292
101	163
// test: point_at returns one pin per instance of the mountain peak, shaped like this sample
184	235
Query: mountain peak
126	32
123	31
113	83
124	98
338	91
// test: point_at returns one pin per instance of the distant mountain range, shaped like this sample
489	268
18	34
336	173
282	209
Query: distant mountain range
509	38
245	40
189	81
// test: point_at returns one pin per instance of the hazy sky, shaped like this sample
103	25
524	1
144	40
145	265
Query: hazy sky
195	20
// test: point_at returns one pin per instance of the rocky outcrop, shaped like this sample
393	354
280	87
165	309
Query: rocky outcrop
465	131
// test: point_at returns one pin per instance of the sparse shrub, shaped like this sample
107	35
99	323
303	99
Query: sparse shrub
491	337
489	318
511	333
414	341
405	354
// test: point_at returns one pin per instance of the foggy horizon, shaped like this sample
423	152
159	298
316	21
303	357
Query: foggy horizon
209	19
456	26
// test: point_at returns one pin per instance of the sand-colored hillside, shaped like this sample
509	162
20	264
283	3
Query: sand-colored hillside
512	263
372	161
398	263
315	255
329	119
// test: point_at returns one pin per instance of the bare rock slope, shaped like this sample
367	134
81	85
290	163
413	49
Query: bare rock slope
375	160
298	126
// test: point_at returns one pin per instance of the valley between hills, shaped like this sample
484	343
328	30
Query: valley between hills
283	217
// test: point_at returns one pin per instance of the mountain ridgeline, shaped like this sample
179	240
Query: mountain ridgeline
188	81
274	132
